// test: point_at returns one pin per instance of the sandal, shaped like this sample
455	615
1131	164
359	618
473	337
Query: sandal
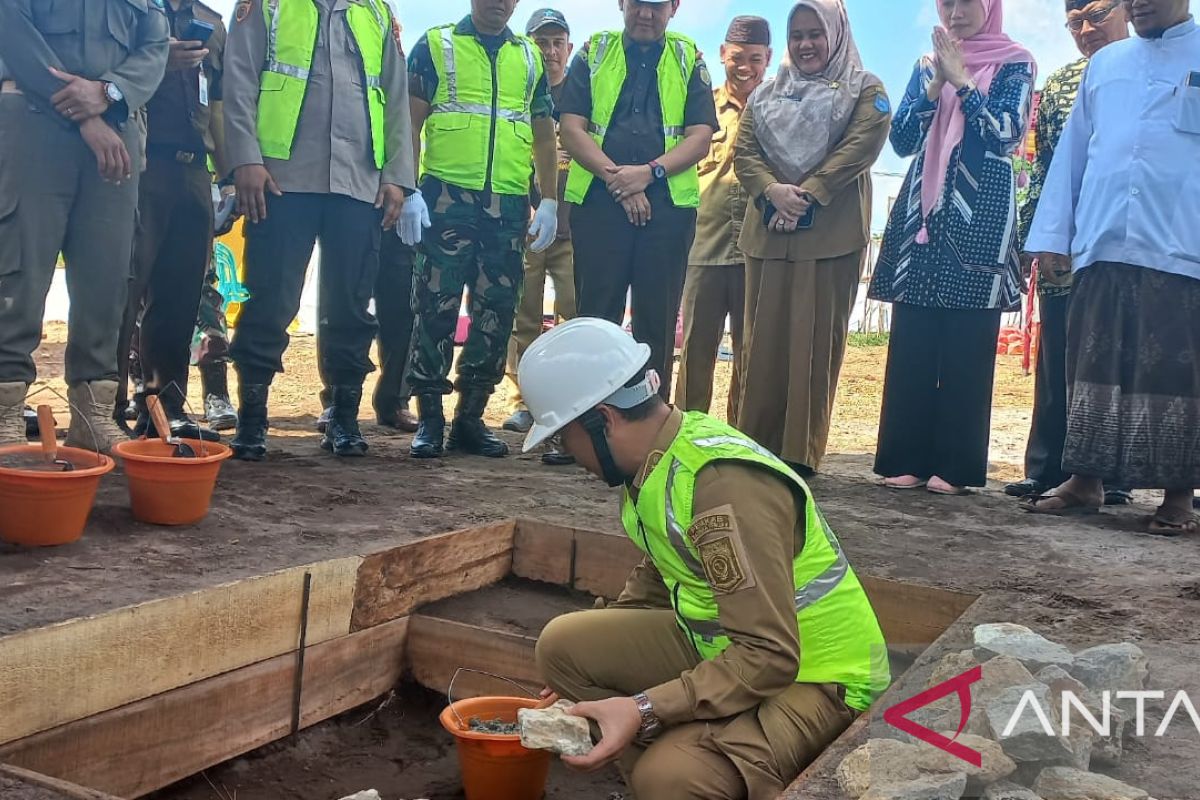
891	483
947	489
1170	522
1073	505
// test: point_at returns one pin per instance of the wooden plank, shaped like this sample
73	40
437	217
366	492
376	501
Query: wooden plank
62	673
542	552
912	616
154	742
64	789
603	562
439	647
393	582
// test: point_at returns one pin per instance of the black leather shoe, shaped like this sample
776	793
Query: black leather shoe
397	418
557	458
1026	488
250	444
342	435
469	434
427	443
182	426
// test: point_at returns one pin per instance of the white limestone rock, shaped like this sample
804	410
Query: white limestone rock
555	730
1006	790
1113	668
996	764
1105	749
930	787
876	765
1064	783
1031	649
1032	738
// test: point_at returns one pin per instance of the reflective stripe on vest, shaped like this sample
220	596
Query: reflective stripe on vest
291	41
606	58
471	126
840	637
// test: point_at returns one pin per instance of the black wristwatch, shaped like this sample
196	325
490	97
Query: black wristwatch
658	171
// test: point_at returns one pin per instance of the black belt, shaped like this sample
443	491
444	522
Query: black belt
194	157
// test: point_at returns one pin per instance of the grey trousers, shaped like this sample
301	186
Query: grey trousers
61	206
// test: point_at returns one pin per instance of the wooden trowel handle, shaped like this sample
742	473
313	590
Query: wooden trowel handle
48	433
159	417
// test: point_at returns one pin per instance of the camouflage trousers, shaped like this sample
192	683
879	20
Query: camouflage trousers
210	344
477	241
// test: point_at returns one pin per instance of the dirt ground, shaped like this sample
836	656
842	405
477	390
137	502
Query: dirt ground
1083	582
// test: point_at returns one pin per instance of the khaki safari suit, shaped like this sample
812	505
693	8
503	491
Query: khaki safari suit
736	726
801	287
715	286
53	197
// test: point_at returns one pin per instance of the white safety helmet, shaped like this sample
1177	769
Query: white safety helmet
577	366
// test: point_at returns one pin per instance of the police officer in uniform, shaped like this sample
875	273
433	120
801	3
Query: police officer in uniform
637	115
317	127
174	239
480	95
72	73
743	644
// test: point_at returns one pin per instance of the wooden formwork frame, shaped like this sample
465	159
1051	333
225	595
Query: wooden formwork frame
133	700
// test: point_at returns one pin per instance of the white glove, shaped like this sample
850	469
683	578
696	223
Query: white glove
413	218
545	225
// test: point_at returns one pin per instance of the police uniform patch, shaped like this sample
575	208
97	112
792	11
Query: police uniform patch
722	565
243	10
882	105
704	76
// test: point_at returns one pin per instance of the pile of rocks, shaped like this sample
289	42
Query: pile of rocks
1021	672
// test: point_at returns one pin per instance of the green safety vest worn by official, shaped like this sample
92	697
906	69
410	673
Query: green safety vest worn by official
840	638
480	117
606	58
291	40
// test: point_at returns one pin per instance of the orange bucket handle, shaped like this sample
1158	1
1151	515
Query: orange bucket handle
462	724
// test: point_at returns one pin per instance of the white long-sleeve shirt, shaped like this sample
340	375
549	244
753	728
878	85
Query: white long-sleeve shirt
1124	185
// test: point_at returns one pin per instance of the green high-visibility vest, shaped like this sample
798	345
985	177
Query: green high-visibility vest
840	638
291	40
606	58
481	114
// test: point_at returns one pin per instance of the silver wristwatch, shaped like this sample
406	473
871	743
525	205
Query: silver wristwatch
651	725
113	93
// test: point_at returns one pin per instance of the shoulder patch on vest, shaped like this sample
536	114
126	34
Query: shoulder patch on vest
704	76
882	105
722	566
243	10
709	523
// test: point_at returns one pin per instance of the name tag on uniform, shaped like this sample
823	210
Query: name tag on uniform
1193	80
203	88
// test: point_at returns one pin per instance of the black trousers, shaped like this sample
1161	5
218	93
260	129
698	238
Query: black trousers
393	308
1048	433
937	394
278	251
613	257
171	251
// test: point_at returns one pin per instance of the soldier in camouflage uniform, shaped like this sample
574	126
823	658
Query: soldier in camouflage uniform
210	353
474	195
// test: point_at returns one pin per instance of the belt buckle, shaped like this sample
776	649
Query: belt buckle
185	157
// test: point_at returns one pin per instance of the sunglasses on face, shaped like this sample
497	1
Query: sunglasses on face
1097	18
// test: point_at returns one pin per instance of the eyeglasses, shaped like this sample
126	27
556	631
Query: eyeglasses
1097	18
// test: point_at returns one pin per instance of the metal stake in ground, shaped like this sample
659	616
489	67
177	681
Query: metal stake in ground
299	687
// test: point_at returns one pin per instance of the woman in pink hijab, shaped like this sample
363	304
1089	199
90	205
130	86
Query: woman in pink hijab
949	262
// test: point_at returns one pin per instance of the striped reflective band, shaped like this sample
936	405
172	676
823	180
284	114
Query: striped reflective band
448	64
531	67
273	32
673	130
374	82
288	70
483	111
597	130
598	56
675	531
681	54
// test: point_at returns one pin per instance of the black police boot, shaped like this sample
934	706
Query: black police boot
342	435
469	434
182	426
427	443
326	409
250	444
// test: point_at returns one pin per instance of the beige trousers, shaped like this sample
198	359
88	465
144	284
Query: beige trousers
618	652
557	262
710	293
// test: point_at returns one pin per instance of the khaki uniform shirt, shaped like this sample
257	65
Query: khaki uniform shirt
722	199
841	185
332	152
123	42
759	513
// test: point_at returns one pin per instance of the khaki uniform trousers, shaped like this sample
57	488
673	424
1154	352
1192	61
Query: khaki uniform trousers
618	652
557	262
710	293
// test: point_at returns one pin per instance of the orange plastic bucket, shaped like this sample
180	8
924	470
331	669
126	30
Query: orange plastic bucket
496	766
39	509
164	490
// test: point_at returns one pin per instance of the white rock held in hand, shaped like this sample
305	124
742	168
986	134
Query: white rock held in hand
555	730
1031	649
1064	783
